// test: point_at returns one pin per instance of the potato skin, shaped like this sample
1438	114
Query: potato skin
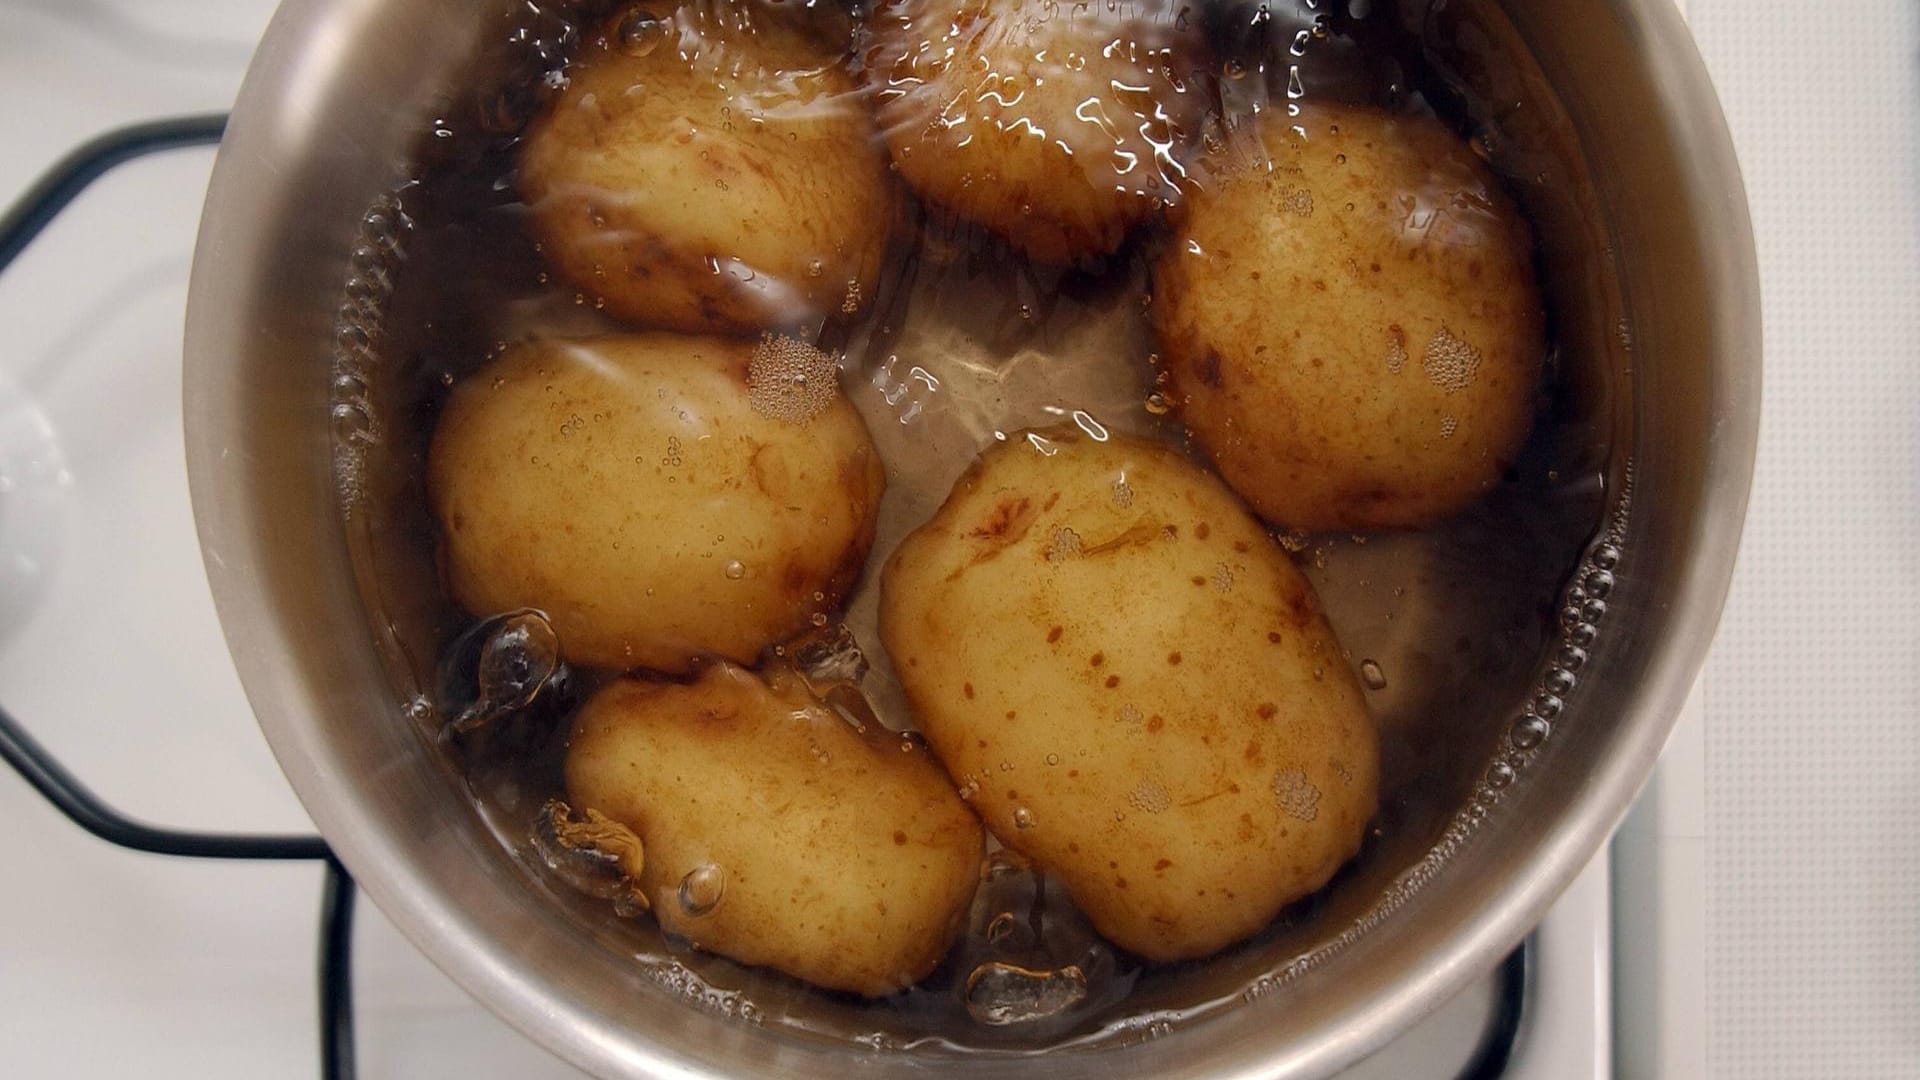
1354	334
1011	113
689	206
846	861
611	481
1135	686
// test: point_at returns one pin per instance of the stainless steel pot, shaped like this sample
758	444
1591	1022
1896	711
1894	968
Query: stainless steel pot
336	98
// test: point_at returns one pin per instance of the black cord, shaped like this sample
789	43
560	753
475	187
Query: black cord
84	808
70	176
336	974
1490	1061
18	227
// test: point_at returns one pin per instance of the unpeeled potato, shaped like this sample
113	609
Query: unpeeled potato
1135	688
711	166
659	497
1350	321
774	833
1057	125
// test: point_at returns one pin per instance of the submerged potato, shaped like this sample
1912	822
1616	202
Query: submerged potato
1135	687
711	166
659	497
1057	125
776	834
1353	331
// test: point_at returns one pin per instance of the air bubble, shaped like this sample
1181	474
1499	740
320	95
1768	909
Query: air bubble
999	993
1157	404
519	656
1371	674
1599	583
1559	681
1022	818
736	570
702	889
1529	731
1500	775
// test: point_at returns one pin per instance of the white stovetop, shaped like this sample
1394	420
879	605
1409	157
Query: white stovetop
113	963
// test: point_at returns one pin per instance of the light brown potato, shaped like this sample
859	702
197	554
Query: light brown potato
711	167
1135	688
659	497
776	834
1354	332
1058	125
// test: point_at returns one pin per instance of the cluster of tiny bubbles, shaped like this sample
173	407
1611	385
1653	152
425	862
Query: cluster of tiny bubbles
789	380
384	229
1580	617
1143	1028
1450	363
678	981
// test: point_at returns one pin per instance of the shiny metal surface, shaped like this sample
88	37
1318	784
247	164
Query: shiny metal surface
336	97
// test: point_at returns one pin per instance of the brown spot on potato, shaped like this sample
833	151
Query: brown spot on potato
1053	635
1156	722
1174	658
1202	531
1097	659
1198	580
1207	370
1010	520
1163	864
967	689
899	838
1113	681
1267	710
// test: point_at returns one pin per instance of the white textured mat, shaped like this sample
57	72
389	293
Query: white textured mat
1813	694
